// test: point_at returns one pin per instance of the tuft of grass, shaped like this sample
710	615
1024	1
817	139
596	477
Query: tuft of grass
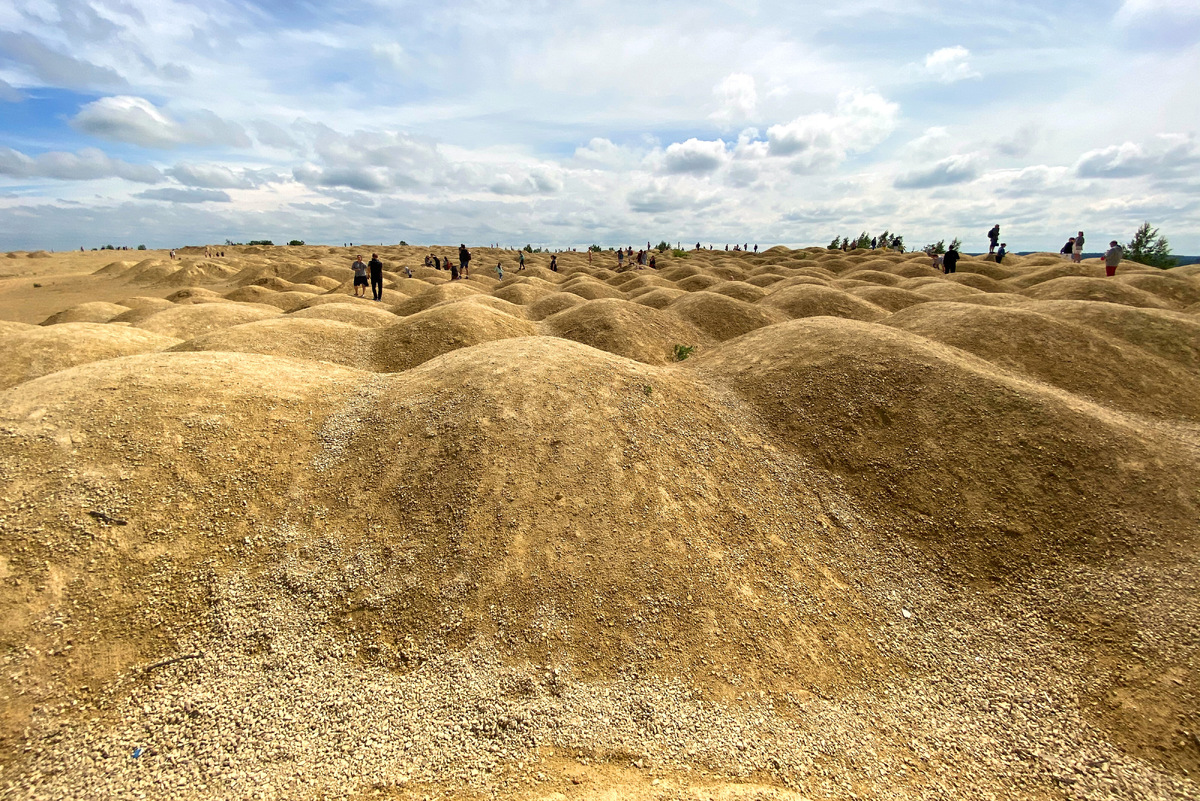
647	389
683	351
679	254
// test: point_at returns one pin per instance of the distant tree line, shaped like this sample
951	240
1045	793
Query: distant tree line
868	242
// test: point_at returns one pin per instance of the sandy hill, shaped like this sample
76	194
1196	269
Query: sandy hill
788	525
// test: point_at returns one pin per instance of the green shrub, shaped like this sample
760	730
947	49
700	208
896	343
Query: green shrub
141	247
662	247
1149	248
683	351
296	242
679	254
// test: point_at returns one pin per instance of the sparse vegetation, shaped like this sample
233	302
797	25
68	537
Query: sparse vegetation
679	254
594	248
296	242
683	351
1149	247
141	247
662	247
266	242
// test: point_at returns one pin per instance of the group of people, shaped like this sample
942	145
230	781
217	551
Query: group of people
643	258
1073	250
459	270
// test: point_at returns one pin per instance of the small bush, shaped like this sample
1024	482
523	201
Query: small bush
141	247
647	389
403	244
267	242
679	254
296	242
662	247
594	248
683	351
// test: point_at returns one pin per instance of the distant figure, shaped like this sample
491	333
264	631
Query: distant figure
698	246
727	247
1068	248
360	277
653	265
1000	254
172	253
950	260
554	263
756	248
375	266
874	242
500	270
993	238
936	262
464	261
1077	251
620	258
521	262
428	261
1112	258
408	271
454	276
589	255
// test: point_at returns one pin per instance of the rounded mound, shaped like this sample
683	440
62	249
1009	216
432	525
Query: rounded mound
739	290
925	434
821	301
1016	340
723	317
422	336
188	322
453	290
659	298
34	351
292	337
888	297
1177	290
1167	334
352	313
625	328
1104	290
93	312
552	304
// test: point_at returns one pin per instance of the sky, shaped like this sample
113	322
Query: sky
610	122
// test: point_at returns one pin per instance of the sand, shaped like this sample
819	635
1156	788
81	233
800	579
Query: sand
789	525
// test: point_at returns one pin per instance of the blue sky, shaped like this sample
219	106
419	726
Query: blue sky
608	121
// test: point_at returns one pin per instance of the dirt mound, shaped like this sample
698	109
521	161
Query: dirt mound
589	288
93	312
196	294
944	290
872	277
1127	378
659	298
187	322
454	290
524	293
625	328
1179	291
352	313
203	272
553	304
1056	269
722	317
922	433
422	336
819	301
34	351
491	302
1103	290
292	337
739	290
115	269
981	282
888	298
1167	334
287	301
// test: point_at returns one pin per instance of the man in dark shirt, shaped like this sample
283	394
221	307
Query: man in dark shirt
376	268
464	261
950	260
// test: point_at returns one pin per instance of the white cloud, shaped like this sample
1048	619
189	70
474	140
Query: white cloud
817	141
737	98
209	176
1166	156
663	195
137	121
694	156
953	170
54	67
8	92
86	165
185	195
1135	10
950	64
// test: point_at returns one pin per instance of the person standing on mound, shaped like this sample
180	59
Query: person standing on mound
554	263
376	268
1077	251
1000	254
500	270
1112	258
951	260
993	238
464	261
521	262
360	277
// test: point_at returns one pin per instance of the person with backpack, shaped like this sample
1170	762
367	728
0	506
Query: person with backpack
521	262
993	238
